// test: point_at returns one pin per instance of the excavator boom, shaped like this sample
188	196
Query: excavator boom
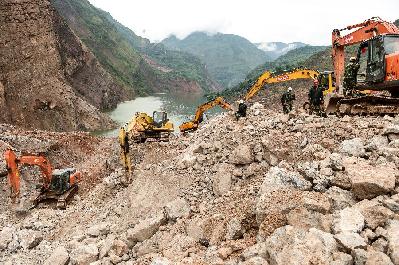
192	125
267	78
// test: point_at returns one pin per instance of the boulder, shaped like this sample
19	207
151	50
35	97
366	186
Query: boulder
161	261
377	143
375	215
340	258
348	220
84	254
279	177
59	256
98	230
29	238
354	147
303	218
393	240
177	209
222	180
255	261
339	198
234	229
359	256
119	248
377	258
242	155
145	229
370	181
6	236
392	132
289	245
350	240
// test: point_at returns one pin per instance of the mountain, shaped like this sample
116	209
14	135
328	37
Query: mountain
48	78
227	57
277	49
133	61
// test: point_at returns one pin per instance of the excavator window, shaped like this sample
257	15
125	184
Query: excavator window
375	71
391	44
159	118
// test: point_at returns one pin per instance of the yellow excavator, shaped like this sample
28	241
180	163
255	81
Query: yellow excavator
268	78
193	125
143	127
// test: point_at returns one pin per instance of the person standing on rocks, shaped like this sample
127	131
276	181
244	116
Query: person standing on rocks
287	100
350	76
242	110
315	97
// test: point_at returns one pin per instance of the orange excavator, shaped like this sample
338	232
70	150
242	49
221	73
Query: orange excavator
193	125
378	56
58	184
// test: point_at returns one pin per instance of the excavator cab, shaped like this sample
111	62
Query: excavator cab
160	118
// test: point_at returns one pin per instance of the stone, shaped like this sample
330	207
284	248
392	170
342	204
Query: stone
225	252
289	245
393	240
380	245
59	256
339	198
376	216
348	220
242	155
353	147
392	132
6	236
377	258
255	261
106	246
341	180
176	209
370	181
234	229
340	258
257	250
336	162
315	201
359	256
350	240
391	205
222	180
98	230
29	238
161	261
279	177
377	143
84	254
303	218
119	248
145	229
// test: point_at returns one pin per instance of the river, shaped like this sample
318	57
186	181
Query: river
180	108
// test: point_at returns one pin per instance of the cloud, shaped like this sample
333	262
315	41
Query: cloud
308	21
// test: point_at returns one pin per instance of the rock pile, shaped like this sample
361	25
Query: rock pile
269	189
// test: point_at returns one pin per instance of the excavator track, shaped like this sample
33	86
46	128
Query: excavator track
368	105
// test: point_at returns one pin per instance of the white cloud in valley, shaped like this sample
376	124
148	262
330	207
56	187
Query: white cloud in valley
257	20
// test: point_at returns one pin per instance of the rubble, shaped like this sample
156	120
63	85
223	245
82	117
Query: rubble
247	192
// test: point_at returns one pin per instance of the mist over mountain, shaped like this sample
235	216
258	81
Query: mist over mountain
276	49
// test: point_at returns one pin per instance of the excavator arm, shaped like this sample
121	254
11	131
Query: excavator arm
267	78
362	32
14	176
192	125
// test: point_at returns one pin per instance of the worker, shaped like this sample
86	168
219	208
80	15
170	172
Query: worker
124	144
287	100
316	97
350	76
242	110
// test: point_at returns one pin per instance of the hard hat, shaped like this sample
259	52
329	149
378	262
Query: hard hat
290	89
241	101
353	59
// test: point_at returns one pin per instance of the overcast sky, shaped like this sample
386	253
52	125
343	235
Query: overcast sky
309	21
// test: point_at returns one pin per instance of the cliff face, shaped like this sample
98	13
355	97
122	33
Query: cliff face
48	79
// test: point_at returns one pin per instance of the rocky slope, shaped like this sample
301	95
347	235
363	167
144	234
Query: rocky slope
136	63
269	189
48	78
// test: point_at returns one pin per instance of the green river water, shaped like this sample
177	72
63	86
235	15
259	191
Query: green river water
180	108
